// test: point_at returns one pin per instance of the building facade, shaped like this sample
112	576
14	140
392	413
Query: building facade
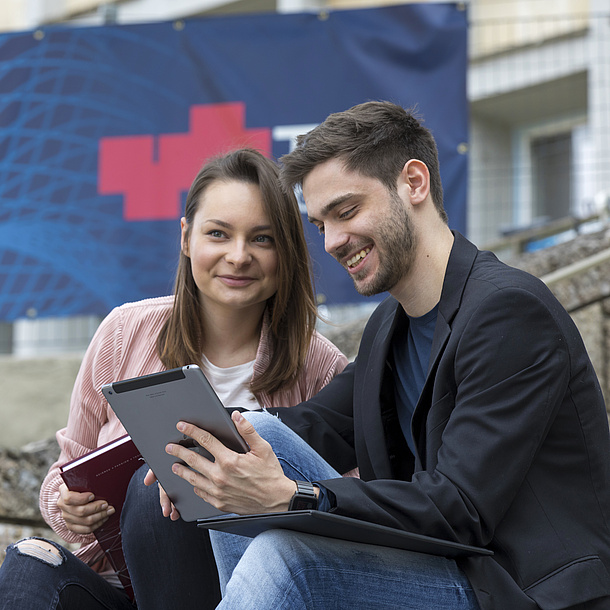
539	94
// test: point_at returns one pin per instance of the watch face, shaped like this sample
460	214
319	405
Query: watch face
303	503
304	498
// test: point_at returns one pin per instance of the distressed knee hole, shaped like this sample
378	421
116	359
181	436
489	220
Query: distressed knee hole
41	549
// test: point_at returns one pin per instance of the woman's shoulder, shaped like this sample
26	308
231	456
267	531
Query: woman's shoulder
321	347
153	304
146	309
147	315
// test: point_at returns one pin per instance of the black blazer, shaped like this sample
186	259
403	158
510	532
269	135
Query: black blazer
513	448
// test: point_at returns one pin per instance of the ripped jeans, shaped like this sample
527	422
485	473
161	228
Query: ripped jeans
36	579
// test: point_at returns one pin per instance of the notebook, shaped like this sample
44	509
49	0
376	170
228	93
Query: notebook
106	472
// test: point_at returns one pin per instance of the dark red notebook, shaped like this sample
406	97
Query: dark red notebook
106	473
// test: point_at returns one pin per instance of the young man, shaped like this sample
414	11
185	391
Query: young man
472	411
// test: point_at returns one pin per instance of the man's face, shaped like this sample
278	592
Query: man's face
366	227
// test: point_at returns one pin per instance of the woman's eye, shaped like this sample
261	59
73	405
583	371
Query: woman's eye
215	233
263	239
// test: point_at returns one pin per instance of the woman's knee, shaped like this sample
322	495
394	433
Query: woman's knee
42	550
141	504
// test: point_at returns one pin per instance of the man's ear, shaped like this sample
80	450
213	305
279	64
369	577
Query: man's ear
416	178
184	242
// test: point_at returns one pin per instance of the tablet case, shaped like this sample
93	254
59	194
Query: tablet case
332	525
150	407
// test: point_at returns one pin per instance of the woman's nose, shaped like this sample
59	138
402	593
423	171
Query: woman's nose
239	253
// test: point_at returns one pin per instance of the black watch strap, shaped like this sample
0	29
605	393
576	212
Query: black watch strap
304	498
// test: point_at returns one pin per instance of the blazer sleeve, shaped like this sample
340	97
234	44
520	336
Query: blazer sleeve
497	392
325	421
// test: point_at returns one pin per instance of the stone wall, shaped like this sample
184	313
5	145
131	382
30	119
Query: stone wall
21	472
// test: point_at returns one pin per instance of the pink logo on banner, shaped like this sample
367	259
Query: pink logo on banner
152	172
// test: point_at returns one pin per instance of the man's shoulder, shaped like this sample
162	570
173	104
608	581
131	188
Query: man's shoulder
484	265
489	269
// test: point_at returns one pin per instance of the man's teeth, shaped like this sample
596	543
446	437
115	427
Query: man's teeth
352	261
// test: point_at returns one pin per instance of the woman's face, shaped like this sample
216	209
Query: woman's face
232	247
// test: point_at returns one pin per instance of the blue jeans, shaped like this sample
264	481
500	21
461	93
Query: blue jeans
31	583
290	570
171	563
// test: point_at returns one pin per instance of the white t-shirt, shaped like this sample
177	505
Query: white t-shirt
232	384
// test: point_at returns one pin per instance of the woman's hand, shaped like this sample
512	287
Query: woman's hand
82	513
242	483
167	507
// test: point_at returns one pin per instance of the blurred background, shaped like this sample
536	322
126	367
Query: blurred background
530	149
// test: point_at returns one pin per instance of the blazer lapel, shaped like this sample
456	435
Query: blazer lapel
367	405
459	266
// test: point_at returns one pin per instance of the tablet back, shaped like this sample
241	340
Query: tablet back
341	527
150	407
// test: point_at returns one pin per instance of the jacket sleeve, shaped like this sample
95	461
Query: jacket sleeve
506	377
501	382
325	421
88	414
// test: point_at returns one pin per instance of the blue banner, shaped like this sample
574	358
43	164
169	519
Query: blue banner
103	129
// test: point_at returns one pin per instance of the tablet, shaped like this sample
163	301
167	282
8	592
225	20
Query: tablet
340	527
150	407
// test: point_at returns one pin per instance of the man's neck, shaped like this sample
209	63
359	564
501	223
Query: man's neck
420	290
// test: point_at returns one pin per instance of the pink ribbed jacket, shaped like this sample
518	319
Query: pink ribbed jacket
124	346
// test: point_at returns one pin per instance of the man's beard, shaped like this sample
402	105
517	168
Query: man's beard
395	242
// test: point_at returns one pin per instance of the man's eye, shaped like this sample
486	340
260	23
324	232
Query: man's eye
347	213
321	229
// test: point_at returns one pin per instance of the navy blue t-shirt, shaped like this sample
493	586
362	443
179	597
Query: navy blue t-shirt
411	353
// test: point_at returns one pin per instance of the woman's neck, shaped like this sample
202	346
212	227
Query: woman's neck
231	337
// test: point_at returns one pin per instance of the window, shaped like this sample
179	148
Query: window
551	176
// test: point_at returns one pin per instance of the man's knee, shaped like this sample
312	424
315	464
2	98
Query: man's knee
262	420
279	564
40	549
268	426
286	550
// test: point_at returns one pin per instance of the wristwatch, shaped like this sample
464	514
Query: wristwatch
304	497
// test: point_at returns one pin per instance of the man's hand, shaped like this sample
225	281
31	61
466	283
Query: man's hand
82	513
167	507
242	483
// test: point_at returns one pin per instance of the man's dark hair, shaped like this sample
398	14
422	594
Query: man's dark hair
375	139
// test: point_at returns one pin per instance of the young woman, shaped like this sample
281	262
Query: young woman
243	309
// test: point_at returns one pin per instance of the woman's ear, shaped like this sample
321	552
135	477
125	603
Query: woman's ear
416	177
184	242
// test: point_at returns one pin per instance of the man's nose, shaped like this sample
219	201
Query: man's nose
334	239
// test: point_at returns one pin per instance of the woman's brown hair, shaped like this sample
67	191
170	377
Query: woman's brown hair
292	309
